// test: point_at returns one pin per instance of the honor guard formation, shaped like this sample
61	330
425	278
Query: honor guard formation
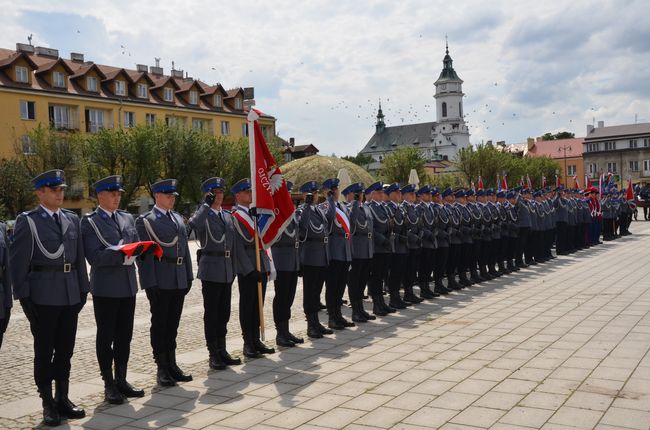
397	245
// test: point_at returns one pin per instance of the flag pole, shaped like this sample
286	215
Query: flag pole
260	296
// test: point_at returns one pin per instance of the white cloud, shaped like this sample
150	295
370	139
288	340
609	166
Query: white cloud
320	66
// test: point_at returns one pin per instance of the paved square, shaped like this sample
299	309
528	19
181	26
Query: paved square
561	345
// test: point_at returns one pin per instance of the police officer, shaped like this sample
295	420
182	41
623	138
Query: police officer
398	259
413	240
561	209
455	239
512	231
427	253
113	285
5	282
340	253
382	236
286	258
443	232
248	276
166	280
50	280
361	227
467	243
524	224
215	257
314	256
477	232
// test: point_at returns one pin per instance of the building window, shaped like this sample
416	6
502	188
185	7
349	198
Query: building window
610	146
218	101
194	97
201	125
22	74
593	169
460	109
444	109
611	167
592	147
225	128
244	129
91	84
60	117
150	119
633	143
28	145
94	120
129	119
175	121
168	94
58	80
238	104
646	166
143	91
634	166
27	110
646	143
571	170
120	88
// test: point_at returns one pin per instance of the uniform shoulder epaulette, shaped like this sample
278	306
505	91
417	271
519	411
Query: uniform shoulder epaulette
123	211
89	214
30	212
68	211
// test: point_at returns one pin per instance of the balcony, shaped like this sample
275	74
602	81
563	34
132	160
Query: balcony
63	118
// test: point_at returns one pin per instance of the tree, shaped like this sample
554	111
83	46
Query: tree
359	159
397	166
558	136
16	192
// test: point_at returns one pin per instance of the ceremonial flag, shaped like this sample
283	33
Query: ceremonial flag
529	183
342	218
271	197
498	183
576	185
587	181
521	182
629	196
472	186
480	182
600	186
130	248
544	181
558	182
504	183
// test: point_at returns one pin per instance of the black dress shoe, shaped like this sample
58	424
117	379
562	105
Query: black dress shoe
314	332
324	330
51	415
283	341
123	385
112	395
261	347
250	351
64	404
295	339
175	371
378	309
216	363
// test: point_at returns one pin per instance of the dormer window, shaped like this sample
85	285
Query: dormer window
168	94
194	97
120	88
238	104
22	74
218	101
143	91
58	80
91	84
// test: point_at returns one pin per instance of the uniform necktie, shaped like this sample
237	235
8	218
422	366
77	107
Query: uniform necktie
56	220
171	217
114	218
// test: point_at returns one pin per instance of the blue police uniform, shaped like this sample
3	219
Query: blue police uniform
50	279
216	260
5	282
166	281
113	285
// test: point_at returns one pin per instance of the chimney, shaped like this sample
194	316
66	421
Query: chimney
141	67
47	52
601	124
23	47
292	141
177	73
156	70
590	128
538	139
77	57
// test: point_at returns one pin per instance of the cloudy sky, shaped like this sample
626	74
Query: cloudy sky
320	66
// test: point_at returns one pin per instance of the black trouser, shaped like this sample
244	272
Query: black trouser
285	291
523	242
476	254
411	268
54	334
166	308
466	257
511	254
453	260
335	280
426	266
397	267
378	273
249	310
359	275
114	319
440	263
217	299
484	257
560	239
313	278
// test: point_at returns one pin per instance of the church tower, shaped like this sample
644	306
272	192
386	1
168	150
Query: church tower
451	132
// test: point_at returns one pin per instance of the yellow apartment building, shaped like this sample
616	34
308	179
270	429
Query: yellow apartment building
37	86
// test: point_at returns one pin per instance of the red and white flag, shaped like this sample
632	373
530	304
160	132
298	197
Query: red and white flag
342	218
271	197
504	183
480	182
629	196
575	181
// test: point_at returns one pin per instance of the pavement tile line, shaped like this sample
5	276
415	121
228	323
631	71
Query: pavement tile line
361	363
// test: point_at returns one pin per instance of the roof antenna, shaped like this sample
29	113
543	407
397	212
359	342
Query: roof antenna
446	45
173	65
157	59
29	38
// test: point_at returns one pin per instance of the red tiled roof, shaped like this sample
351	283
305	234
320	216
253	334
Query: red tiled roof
555	148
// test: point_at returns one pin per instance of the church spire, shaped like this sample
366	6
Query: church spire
380	125
448	72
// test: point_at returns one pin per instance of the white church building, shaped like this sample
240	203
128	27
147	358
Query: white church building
436	140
